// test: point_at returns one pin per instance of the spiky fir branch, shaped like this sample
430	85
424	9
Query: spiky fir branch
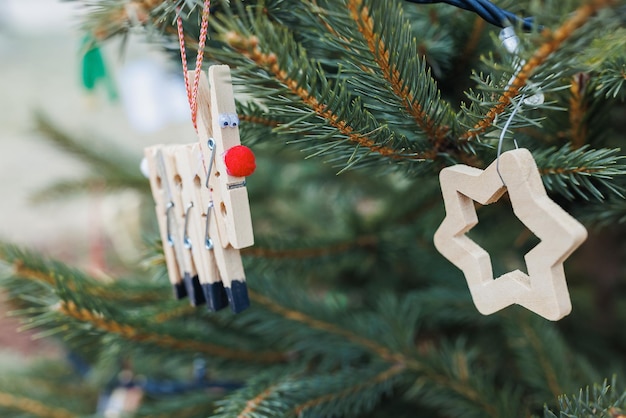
345	116
380	65
378	347
396	357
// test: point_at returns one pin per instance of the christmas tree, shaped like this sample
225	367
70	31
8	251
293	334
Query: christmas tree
353	108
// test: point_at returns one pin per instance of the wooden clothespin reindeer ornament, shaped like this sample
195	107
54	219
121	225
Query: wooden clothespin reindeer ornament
544	289
202	201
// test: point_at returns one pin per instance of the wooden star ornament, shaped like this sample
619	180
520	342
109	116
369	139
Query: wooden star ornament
544	289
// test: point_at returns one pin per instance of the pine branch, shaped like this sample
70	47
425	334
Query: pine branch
553	41
269	61
611	82
381	32
294	315
264	393
134	333
603	401
33	407
448	373
254	114
25	266
99	319
78	302
549	368
460	311
605	61
609	213
106	19
194	404
322	113
257	127
347	392
356	398
256	403
455	384
584	172
434	370
37	389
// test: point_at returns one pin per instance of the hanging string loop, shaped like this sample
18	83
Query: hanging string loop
192	87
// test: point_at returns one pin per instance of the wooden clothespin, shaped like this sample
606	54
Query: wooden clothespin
162	194
200	217
223	190
166	185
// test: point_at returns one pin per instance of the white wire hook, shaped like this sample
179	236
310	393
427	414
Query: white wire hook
211	145
504	129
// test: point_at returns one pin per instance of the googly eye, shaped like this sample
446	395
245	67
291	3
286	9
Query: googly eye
224	120
233	120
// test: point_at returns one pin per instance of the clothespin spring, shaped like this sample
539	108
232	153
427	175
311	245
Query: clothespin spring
208	242
168	209
186	240
211	145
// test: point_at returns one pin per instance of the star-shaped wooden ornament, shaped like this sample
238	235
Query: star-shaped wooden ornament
544	289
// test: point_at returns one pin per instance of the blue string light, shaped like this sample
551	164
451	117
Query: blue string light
487	10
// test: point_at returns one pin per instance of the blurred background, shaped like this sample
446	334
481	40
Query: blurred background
41	63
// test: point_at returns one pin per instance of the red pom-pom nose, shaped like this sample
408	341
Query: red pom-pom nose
240	161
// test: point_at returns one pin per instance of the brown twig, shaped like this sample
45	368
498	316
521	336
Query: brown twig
361	15
252	404
569	170
577	110
546	365
96	289
379	378
33	407
472	42
259	120
121	18
132	333
293	315
21	270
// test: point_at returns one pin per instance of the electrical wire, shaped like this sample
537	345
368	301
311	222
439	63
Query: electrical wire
487	10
